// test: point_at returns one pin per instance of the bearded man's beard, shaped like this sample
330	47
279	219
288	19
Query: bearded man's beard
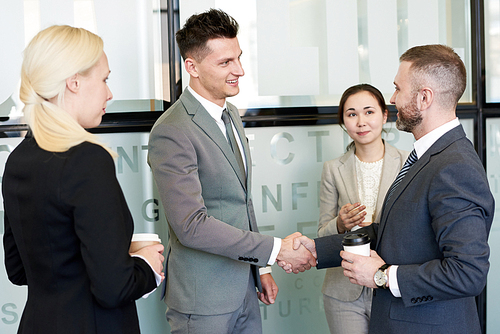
409	116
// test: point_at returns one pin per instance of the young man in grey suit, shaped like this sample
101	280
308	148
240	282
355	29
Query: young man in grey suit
214	250
431	247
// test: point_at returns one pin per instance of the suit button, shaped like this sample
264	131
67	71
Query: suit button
419	300
429	298
241	258
255	260
413	301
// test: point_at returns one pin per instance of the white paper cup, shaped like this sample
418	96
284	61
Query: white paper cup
141	240
369	216
357	243
366	221
360	250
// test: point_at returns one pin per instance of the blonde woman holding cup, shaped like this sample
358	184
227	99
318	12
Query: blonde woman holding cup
352	191
67	225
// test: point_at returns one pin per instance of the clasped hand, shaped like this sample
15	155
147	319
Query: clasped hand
154	256
351	215
361	269
297	253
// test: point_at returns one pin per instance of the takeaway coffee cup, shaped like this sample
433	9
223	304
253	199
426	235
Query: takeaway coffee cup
357	243
368	217
140	240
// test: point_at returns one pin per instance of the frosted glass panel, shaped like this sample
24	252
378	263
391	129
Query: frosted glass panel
306	53
383	61
493	172
131	31
492	49
297	68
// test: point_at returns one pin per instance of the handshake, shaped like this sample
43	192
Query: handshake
297	253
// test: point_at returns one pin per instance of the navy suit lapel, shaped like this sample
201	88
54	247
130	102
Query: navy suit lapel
414	170
441	144
391	168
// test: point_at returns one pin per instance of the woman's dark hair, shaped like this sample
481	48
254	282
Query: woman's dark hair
200	28
357	89
354	90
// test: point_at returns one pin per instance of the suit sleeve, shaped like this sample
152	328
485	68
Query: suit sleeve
460	206
104	226
328	207
173	160
328	247
13	263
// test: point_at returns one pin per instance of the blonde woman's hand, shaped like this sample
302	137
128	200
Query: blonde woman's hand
154	255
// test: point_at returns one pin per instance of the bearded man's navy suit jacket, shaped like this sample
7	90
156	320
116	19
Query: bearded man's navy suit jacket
435	226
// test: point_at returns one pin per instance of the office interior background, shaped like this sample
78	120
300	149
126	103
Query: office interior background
298	56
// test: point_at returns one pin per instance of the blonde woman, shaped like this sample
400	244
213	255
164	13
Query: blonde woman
352	191
67	225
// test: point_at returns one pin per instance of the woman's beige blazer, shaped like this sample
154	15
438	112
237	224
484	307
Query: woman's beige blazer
338	187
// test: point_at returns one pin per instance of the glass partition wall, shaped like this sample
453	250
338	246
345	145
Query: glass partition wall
306	53
293	80
491	107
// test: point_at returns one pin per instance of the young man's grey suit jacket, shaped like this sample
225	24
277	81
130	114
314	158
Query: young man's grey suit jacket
208	207
435	227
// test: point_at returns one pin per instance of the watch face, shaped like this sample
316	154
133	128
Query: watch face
380	278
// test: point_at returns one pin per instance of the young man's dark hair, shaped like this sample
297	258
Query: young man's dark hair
198	29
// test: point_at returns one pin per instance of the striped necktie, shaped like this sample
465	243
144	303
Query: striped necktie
412	158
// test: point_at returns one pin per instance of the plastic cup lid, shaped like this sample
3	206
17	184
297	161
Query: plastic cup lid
355	239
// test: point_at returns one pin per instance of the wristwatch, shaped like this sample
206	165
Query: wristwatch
380	277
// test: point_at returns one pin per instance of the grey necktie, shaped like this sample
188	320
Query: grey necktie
232	140
412	158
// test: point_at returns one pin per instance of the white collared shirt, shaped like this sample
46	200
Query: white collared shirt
421	146
216	112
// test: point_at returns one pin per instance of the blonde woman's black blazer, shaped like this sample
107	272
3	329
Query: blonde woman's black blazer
67	234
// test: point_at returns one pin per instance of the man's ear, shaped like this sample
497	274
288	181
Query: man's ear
190	65
425	98
73	83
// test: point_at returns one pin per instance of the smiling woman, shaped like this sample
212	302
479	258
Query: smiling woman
363	119
352	191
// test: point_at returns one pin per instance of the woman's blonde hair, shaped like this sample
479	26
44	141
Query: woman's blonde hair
54	55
